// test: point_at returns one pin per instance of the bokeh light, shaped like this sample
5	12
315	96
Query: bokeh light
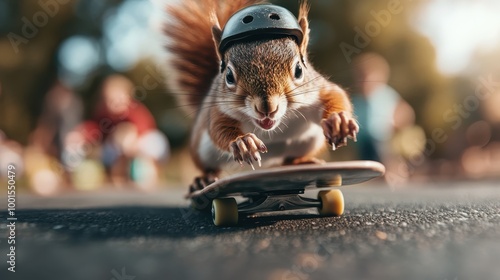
460	29
78	56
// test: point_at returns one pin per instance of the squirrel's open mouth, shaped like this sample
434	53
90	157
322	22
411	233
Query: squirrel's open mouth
266	123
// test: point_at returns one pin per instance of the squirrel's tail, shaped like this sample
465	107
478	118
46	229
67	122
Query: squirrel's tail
192	61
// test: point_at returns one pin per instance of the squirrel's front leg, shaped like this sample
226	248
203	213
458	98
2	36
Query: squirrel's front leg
337	121
227	135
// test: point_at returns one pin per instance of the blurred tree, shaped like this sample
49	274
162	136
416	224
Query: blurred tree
27	65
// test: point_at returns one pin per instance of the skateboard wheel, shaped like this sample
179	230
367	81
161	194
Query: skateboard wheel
225	211
332	203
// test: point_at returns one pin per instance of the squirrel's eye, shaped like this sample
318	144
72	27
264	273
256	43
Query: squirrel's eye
298	71
230	81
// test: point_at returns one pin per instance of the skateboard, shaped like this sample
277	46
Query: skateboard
281	188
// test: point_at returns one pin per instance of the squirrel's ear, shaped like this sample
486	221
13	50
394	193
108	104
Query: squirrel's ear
304	25
217	36
216	33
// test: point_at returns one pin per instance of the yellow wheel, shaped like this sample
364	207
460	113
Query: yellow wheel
225	211
332	203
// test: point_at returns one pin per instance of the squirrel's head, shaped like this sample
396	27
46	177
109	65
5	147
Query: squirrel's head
260	78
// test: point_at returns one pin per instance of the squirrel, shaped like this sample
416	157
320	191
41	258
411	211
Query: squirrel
258	99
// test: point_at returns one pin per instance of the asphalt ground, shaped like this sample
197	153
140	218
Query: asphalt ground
447	230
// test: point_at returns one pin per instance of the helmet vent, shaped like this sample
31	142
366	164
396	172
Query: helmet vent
260	21
247	19
274	16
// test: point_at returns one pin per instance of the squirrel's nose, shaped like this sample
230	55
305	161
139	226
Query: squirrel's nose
268	111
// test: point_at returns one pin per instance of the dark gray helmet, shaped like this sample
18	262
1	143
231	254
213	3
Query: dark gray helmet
258	21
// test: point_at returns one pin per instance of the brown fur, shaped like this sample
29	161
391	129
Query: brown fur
194	54
304	24
263	75
223	129
334	100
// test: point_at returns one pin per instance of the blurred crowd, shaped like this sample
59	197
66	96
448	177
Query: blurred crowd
120	145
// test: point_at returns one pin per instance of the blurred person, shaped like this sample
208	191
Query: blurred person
380	110
61	113
125	132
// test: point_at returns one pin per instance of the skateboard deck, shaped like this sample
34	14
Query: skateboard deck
280	188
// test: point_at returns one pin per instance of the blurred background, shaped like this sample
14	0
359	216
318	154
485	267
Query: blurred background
83	104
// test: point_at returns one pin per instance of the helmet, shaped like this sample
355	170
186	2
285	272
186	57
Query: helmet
260	20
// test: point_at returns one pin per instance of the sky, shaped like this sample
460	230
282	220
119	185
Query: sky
458	29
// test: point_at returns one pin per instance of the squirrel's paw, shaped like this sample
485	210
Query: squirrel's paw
202	182
338	127
247	148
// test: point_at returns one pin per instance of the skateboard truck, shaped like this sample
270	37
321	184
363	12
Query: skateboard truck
277	203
